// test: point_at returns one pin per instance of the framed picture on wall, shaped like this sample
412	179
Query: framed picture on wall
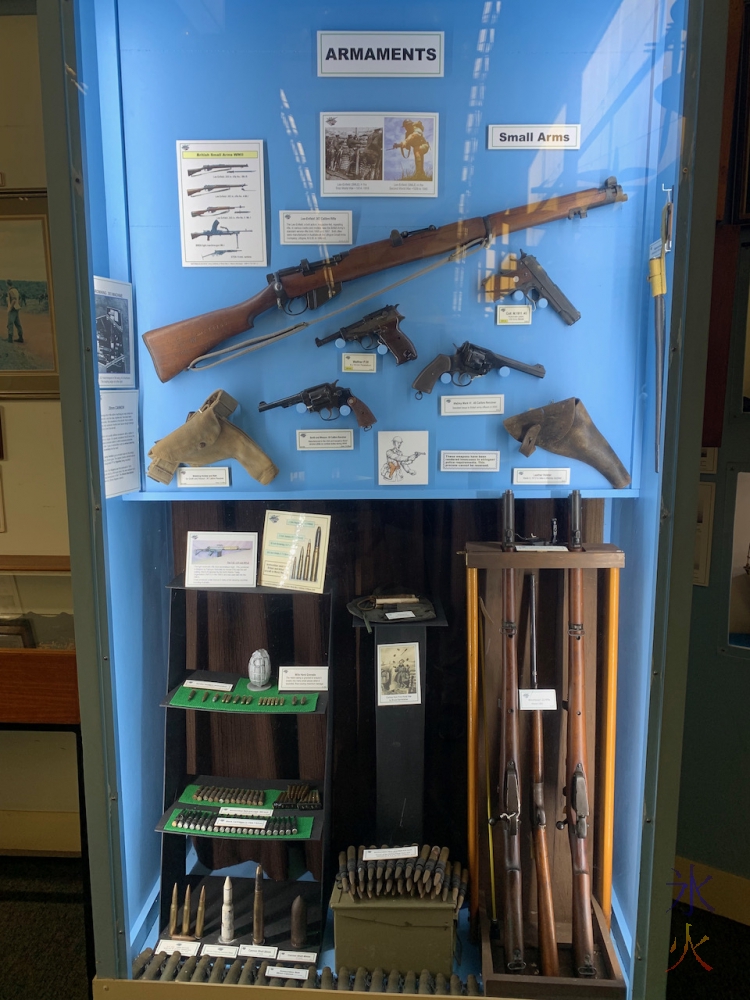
28	349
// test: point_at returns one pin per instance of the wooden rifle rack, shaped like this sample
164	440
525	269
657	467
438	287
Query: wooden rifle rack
601	590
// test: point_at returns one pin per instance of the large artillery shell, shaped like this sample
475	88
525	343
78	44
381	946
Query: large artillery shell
155	965
377	982
410	982
343	980
326	979
185	973
200	970
394	982
233	973
140	963
360	980
217	973
170	968
299	923
456	987
462	888
455	880
247	977
425	982
472	987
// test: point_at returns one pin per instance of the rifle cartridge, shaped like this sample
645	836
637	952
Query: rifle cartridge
377	981
200	970
155	965
186	972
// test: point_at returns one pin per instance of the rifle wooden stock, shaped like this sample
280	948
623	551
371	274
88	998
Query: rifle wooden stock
576	779
173	347
509	777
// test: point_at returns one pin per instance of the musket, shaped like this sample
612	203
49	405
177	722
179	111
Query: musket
217	166
546	932
192	192
577	805
175	346
218	210
510	785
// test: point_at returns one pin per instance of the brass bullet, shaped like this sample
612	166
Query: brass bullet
299	923
259	934
173	912
192	694
303	700
205	696
200	916
186	912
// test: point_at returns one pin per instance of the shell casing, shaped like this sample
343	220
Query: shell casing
192	694
326	978
247	976
343	979
200	970
140	963
217	972
205	696
394	982
377	981
183	976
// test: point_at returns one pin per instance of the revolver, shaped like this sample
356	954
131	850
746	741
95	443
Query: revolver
528	276
377	328
328	399
469	362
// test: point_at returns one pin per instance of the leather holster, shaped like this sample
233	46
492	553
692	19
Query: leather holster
565	428
207	437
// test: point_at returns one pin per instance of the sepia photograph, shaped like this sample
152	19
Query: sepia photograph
113	301
398	674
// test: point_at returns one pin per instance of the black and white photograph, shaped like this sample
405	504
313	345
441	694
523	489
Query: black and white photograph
113	302
379	154
403	458
398	674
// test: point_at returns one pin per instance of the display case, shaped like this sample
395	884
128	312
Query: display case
464	232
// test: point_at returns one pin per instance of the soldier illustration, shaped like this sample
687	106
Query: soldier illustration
398	465
13	300
414	142
403	677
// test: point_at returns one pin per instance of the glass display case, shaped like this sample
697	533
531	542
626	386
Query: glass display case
462	232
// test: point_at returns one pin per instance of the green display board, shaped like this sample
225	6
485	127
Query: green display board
242	690
304	830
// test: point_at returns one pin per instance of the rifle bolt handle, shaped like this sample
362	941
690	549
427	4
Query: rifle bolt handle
561	824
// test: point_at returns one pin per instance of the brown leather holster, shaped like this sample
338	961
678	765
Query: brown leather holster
565	428
207	437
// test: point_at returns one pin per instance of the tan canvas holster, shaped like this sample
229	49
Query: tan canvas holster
206	437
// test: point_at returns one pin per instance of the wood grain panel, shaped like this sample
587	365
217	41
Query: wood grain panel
39	686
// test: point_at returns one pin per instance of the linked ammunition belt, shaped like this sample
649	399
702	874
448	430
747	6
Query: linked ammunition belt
250	972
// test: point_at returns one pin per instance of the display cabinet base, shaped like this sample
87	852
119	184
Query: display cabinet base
127	989
608	983
393	933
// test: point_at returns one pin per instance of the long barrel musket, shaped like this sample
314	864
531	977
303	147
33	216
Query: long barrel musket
328	397
469	362
379	327
546	932
218	210
174	347
577	805
217	166
510	784
528	276
192	192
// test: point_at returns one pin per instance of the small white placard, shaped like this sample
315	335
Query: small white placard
393	616
537	699
469	461
380	53
325	440
461	406
533	137
541	548
217	476
282	972
388	853
541	477
244	811
246	824
303	678
315	228
221	559
360	362
257	951
185	948
513	315
120	442
220	950
298	956
209	685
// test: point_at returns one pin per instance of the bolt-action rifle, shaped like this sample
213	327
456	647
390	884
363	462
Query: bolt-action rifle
174	347
327	399
218	210
217	230
528	276
577	805
510	781
546	933
216	166
469	362
379	327
192	192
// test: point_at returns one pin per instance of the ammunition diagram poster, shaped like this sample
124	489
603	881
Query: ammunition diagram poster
383	154
222	203
398	674
295	550
221	559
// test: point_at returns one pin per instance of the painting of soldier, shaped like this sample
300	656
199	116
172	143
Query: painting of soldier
398	669
409	144
27	342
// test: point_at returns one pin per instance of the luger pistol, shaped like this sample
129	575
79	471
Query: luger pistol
528	276
379	327
327	399
469	362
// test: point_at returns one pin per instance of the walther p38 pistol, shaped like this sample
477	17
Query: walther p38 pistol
327	399
469	362
379	327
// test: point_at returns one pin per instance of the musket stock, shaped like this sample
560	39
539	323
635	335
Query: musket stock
320	281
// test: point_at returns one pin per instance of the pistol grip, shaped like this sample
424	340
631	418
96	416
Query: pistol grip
425	381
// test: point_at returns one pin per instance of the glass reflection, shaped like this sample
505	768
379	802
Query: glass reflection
739	598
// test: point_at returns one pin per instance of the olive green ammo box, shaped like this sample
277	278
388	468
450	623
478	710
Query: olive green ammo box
393	933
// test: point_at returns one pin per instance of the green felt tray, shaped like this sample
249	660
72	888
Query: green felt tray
180	700
270	796
304	832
